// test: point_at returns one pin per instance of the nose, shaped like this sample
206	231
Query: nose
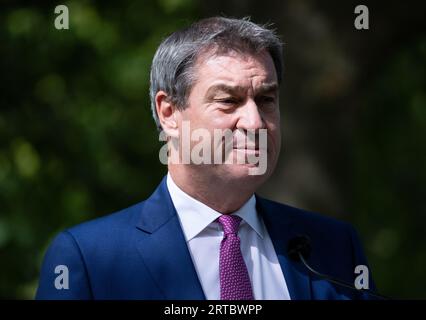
250	117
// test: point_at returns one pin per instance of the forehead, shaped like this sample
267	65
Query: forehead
235	68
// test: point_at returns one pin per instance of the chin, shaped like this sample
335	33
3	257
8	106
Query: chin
247	172
239	174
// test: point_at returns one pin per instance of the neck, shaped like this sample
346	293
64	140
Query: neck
223	195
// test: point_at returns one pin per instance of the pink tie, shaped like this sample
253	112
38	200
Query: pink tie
234	278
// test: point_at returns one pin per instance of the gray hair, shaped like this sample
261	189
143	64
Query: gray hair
172	66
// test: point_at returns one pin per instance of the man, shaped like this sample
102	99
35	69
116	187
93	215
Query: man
204	234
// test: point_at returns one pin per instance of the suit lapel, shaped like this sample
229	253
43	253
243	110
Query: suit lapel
164	249
281	229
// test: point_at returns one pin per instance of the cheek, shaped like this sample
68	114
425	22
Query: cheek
273	123
193	117
189	113
221	120
274	136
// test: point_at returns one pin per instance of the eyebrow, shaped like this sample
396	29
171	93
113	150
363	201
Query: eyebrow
264	88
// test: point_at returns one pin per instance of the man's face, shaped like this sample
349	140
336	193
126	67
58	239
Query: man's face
238	92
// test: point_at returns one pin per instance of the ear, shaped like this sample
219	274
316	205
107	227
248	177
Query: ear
167	113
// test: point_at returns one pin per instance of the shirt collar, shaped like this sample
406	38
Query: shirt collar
250	216
195	216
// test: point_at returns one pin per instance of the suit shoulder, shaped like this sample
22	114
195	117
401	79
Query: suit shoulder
301	216
109	225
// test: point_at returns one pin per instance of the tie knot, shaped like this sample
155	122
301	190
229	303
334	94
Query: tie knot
230	223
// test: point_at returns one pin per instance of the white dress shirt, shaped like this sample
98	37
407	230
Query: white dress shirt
204	235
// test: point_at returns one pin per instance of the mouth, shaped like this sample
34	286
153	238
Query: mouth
250	152
250	149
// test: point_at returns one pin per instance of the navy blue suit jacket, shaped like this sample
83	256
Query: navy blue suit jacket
141	253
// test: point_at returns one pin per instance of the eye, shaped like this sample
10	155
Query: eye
266	100
229	101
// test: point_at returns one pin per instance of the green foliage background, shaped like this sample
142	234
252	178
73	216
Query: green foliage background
77	139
